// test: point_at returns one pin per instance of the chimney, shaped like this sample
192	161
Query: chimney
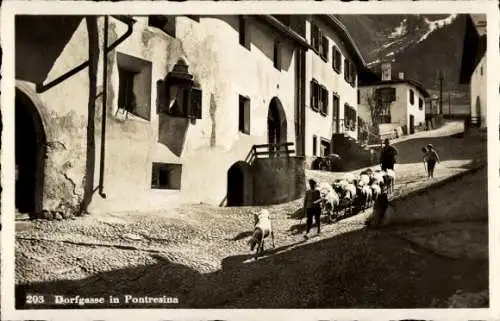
401	75
386	71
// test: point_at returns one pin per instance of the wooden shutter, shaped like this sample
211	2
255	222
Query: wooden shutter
196	101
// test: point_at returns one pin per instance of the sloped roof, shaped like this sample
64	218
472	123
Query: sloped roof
474	47
410	82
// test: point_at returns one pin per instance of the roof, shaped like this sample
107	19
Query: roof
410	82
285	30
364	73
474	49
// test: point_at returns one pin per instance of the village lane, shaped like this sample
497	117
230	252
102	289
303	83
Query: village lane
199	254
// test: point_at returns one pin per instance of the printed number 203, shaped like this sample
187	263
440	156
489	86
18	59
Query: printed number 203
35	299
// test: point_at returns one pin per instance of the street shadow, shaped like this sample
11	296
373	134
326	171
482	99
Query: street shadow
358	269
242	236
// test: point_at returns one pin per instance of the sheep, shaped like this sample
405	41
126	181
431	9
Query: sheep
330	202
364	179
349	196
377	178
376	191
389	179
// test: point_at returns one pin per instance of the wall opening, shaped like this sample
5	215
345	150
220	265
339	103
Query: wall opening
134	93
166	176
239	184
276	123
30	151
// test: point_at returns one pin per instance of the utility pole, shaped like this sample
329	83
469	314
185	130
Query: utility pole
441	92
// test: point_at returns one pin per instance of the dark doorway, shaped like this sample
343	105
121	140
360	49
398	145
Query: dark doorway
30	149
239	185
412	124
276	124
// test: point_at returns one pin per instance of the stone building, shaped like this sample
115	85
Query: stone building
404	105
473	69
191	101
332	67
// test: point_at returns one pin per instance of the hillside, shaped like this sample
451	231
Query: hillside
418	45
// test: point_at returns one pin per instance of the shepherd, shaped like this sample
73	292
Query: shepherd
388	156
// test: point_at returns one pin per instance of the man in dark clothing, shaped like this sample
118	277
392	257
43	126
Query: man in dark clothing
388	156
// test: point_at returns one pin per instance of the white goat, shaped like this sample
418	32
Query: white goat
263	228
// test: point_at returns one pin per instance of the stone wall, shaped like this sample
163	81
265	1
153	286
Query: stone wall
278	180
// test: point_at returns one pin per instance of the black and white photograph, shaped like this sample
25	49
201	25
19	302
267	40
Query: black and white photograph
250	161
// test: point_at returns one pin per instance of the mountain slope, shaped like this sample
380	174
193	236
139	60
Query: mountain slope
420	46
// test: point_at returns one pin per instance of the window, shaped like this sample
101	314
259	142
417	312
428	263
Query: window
324	47
315	37
335	106
134	92
314	95
166	176
336	59
347	70
277	55
323	101
349	117
315	142
244	115
324	147
359	97
481	70
350	72
243	33
319	98
420	104
412	97
164	23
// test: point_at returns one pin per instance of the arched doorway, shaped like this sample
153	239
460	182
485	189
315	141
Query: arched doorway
239	184
276	123
30	150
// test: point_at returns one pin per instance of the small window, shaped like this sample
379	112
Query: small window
164	23
359	97
277	55
481	70
420	104
243	33
352	75
412	97
166	176
336	59
244	115
134	91
315	142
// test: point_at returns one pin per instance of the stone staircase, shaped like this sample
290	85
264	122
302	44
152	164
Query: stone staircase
353	154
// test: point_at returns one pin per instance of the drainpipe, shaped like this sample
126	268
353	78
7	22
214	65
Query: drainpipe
130	22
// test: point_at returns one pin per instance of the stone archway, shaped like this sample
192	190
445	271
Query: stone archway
30	151
239	184
276	122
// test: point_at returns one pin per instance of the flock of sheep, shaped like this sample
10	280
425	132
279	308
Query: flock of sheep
354	192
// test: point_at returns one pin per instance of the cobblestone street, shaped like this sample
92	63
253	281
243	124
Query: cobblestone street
199	254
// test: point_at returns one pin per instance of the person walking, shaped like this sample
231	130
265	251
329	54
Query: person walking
312	207
388	156
432	158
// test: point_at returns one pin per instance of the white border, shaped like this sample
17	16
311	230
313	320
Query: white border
10	8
